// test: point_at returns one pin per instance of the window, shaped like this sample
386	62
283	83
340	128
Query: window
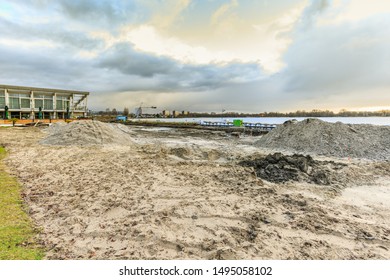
22	95
62	102
48	104
38	103
2	100
14	103
59	105
24	103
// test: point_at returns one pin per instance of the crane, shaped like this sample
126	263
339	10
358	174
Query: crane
138	111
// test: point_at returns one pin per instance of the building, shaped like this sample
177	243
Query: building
166	113
31	102
175	114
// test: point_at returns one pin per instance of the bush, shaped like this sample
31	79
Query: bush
14	120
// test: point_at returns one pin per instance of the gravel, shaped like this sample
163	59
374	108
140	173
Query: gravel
316	137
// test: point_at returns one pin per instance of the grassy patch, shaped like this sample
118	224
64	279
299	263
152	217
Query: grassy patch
16	232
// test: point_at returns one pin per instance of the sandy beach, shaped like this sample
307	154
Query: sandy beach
165	193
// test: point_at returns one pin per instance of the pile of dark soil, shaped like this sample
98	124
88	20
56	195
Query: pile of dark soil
279	168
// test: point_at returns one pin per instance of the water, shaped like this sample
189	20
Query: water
347	120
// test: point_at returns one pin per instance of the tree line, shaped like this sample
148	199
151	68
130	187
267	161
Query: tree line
299	113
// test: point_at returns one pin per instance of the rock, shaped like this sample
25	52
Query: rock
320	178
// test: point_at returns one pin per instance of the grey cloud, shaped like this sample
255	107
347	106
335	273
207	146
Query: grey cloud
331	59
92	14
207	77
124	58
118	72
44	68
311	12
56	34
343	63
74	39
104	12
173	75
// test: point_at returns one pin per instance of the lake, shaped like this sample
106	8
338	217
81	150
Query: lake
347	120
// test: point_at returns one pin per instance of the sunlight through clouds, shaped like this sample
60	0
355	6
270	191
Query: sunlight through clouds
274	55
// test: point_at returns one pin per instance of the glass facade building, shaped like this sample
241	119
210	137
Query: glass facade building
27	102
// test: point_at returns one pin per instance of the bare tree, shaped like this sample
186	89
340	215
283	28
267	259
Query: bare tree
126	111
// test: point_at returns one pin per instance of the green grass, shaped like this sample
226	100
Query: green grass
17	236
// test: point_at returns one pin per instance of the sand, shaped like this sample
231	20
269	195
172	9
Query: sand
182	194
86	133
316	137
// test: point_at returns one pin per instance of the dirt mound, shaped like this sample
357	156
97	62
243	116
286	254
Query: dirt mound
280	168
85	133
313	136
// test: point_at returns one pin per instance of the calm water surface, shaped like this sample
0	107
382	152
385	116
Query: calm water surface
349	120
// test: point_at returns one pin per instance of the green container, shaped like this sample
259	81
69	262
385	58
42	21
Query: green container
237	122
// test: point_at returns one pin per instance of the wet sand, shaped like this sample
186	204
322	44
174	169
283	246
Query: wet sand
181	194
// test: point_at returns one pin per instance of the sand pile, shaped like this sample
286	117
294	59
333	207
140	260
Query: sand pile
313	136
86	133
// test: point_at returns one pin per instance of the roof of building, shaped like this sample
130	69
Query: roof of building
43	89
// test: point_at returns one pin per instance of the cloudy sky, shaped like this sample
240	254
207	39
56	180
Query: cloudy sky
237	55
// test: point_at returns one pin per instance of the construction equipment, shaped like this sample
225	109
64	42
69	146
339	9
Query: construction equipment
138	111
121	118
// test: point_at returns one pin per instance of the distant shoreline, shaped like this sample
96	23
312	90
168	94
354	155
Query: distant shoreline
266	120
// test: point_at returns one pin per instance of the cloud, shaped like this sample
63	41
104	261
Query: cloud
339	58
354	11
256	57
167	12
146	38
46	68
124	58
104	13
233	37
311	13
173	75
49	33
223	10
